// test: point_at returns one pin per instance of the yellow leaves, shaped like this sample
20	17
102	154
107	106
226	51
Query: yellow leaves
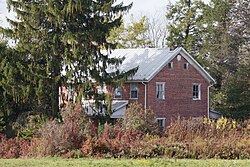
222	123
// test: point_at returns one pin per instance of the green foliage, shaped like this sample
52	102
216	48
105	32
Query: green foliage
131	36
27	125
55	37
186	25
137	118
212	33
236	103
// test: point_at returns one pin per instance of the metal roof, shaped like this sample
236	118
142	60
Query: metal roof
150	61
118	108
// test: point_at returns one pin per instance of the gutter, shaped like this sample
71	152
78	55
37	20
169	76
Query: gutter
145	97
208	101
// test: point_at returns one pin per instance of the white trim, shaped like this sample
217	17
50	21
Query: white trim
187	66
145	97
208	101
190	60
197	66
170	65
164	122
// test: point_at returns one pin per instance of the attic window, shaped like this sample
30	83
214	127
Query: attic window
170	65
185	66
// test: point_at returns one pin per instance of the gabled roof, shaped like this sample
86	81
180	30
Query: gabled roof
151	60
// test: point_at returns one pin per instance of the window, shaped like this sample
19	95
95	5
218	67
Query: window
133	90
118	92
185	66
161	123
196	92
170	65
160	90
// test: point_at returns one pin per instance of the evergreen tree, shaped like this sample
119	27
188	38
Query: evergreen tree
185	25
217	34
236	101
55	37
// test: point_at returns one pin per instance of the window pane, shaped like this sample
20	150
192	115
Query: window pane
160	90
161	123
118	92
196	91
133	90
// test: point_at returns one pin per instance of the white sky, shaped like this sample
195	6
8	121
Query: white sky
140	8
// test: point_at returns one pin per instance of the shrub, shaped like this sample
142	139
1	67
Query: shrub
208	138
27	125
13	147
58	138
137	118
197	139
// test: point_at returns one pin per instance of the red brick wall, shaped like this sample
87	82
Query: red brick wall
126	93
178	92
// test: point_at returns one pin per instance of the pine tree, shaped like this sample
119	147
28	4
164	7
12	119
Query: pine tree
185	25
55	37
220	30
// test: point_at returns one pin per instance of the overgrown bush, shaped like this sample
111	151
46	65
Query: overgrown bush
28	124
208	138
117	141
58	138
137	118
195	139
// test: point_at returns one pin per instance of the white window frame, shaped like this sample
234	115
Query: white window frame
187	66
159	91
196	94
115	92
133	87
170	65
163	122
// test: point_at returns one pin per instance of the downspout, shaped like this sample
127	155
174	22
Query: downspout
208	101
145	97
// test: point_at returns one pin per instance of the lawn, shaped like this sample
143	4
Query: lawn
57	162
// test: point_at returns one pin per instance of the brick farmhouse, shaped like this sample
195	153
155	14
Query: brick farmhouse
170	82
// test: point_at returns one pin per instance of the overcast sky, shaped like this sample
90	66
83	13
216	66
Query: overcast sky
140	7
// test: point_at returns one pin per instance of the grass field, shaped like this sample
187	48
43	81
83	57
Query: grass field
57	162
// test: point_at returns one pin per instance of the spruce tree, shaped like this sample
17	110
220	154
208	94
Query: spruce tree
55	37
185	25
